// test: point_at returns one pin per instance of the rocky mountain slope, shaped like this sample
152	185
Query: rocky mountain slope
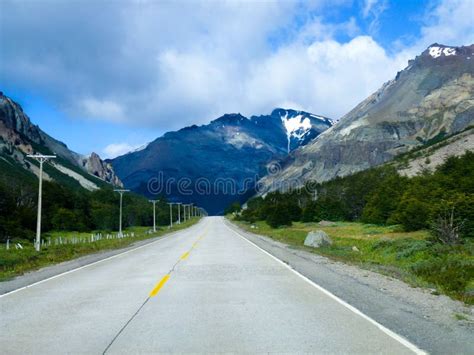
428	158
216	164
432	97
19	137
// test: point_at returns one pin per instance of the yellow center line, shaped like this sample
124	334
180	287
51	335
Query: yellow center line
162	282
158	287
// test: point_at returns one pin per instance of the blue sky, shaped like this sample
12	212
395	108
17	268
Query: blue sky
109	76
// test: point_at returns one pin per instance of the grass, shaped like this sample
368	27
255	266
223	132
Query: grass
459	316
411	257
16	262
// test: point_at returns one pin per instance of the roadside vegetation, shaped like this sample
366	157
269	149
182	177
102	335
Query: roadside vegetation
66	208
16	261
75	221
420	229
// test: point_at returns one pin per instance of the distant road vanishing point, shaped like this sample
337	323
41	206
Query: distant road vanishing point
205	289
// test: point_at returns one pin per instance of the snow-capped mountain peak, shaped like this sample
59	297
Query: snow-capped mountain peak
300	126
438	51
296	127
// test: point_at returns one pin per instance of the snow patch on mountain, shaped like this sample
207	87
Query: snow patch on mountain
296	127
436	51
324	119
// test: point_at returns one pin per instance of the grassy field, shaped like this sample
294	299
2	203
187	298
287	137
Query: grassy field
14	262
411	257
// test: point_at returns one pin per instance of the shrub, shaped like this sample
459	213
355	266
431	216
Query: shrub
412	214
445	228
411	247
451	273
278	216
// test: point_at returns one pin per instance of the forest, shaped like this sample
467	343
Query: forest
442	200
68	209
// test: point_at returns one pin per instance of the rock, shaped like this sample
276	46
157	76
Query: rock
96	166
253	226
19	136
326	224
317	239
354	248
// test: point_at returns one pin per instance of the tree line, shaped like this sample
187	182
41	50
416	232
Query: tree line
379	195
65	208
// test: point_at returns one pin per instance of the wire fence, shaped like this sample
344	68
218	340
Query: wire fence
72	240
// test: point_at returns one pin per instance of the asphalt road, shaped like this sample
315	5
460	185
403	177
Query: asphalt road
203	290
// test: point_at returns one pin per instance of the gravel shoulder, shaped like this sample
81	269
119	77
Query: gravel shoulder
435	323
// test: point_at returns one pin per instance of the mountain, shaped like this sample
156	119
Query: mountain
215	164
19	137
434	153
431	98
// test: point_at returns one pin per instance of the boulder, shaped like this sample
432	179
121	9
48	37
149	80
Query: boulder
317	239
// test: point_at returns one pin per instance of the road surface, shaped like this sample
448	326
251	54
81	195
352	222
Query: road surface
205	289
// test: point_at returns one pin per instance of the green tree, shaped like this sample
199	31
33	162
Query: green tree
308	213
64	219
233	207
412	214
383	200
278	215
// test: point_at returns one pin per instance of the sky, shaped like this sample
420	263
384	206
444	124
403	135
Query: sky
110	76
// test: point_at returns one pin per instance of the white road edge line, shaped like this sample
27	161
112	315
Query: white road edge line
94	263
387	331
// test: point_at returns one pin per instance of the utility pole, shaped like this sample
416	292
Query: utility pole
121	192
41	159
179	212
154	214
184	212
171	214
190	208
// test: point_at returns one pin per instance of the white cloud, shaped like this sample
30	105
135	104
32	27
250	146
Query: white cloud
106	109
326	77
450	23
372	10
167	65
368	6
116	149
